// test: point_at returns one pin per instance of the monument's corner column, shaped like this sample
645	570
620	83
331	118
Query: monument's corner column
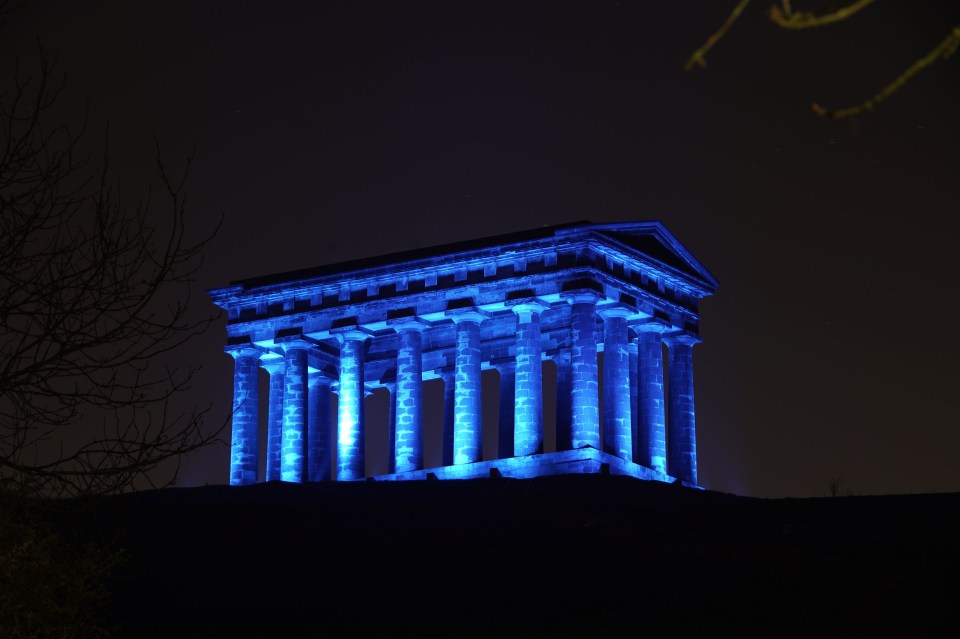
246	415
681	432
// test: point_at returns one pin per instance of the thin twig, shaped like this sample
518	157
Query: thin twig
787	19
697	59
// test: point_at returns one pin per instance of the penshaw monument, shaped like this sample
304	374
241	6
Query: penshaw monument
613	307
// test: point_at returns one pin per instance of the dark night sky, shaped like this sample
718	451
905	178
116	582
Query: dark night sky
331	131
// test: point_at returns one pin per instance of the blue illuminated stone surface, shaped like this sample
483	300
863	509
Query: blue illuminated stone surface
589	298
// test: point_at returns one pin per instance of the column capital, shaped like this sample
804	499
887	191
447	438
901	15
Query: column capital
293	343
687	339
407	323
616	310
243	350
581	296
445	371
506	363
525	307
467	314
271	364
350	332
317	376
649	326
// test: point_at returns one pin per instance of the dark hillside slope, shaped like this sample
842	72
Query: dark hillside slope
575	555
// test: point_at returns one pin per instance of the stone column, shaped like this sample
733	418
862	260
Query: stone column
616	383
564	431
318	428
584	392
449	409
634	395
391	387
528	396
467	426
293	448
408	448
274	418
351	463
507	371
651	448
681	433
246	416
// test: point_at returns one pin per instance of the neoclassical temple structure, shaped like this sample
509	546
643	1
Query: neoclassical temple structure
611	305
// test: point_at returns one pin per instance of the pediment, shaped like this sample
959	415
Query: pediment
653	241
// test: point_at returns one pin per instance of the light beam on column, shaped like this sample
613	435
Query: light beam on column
351	463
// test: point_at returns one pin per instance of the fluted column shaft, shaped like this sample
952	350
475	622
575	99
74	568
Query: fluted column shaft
682	436
408	452
318	429
294	442
246	416
351	463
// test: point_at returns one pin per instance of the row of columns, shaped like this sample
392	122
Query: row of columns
634	427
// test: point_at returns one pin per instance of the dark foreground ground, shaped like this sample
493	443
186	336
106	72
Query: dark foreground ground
582	555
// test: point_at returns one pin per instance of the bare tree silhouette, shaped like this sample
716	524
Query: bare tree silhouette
94	298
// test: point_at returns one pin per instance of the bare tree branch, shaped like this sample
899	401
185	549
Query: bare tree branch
944	50
784	17
697	59
94	298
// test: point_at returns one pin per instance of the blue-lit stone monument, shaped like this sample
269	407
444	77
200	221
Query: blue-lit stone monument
603	302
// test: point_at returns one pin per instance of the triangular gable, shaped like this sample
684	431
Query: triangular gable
653	240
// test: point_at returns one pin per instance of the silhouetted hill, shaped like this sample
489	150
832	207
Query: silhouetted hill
575	555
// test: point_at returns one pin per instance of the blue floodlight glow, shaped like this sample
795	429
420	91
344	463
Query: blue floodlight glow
561	294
